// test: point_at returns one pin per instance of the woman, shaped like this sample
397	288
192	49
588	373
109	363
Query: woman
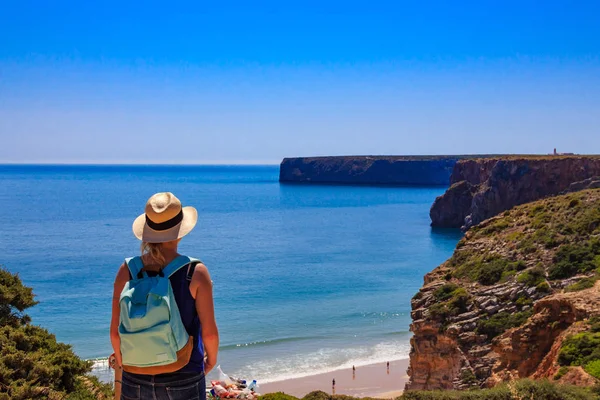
160	229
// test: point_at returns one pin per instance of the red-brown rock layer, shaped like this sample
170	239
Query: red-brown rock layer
491	186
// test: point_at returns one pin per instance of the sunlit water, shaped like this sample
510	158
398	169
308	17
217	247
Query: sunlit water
306	278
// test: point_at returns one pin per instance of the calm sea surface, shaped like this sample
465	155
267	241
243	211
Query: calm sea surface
306	278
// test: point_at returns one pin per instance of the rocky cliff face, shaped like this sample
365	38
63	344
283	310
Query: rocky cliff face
418	170
495	185
517	286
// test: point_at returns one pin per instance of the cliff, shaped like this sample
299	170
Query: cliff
483	188
519	298
388	170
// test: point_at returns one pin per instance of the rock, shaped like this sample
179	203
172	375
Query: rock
492	309
467	337
465	316
495	185
445	345
451	209
370	170
590	183
532	350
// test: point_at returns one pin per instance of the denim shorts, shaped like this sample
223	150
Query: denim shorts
175	386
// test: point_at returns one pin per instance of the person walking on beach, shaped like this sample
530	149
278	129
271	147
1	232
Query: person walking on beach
388	367
353	372
163	330
333	386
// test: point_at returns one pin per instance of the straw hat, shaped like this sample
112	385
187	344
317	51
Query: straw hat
164	219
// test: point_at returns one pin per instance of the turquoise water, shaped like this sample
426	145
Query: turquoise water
306	278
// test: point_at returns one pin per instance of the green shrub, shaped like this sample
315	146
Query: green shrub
571	259
501	322
277	396
467	376
506	275
585	283
444	292
593	368
546	237
532	277
496	226
583	349
32	363
543	287
524	389
491	272
574	203
524	301
580	349
594	324
456	302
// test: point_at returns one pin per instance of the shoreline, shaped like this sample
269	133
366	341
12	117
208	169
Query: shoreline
371	380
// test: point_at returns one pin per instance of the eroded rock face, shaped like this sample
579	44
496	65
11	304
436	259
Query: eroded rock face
451	209
457	357
497	310
500	184
532	350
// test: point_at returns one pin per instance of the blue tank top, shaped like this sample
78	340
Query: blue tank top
180	282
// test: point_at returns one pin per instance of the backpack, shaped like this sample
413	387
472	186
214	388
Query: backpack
153	338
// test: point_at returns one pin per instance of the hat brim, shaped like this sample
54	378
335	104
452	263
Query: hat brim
143	232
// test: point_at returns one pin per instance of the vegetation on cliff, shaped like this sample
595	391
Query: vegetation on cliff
582	350
33	365
555	239
519	390
518	290
538	245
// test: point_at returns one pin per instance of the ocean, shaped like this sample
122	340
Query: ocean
307	279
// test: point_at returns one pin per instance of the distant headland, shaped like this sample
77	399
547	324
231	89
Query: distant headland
372	170
432	170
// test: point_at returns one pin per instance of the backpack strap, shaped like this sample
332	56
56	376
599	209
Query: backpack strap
135	265
191	269
177	264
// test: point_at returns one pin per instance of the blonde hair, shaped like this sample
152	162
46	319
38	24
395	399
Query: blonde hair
154	251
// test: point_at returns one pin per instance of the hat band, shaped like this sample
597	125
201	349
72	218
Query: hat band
168	224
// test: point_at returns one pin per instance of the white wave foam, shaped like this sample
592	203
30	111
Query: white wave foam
102	371
291	366
323	361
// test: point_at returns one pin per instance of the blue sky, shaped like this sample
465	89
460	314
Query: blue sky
253	82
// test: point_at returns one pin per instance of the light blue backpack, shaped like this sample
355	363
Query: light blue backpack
153	338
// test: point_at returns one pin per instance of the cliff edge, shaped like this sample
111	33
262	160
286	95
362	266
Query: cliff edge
519	298
483	188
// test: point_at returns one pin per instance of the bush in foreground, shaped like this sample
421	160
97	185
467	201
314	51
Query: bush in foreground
33	365
519	390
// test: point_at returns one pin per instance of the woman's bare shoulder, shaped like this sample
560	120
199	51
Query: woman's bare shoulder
201	273
122	273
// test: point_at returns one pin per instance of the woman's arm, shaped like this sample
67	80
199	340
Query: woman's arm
120	280
201	288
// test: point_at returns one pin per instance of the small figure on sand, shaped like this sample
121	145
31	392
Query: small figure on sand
388	367
333	386
353	372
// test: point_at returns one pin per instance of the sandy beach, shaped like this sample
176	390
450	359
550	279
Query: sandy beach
369	380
